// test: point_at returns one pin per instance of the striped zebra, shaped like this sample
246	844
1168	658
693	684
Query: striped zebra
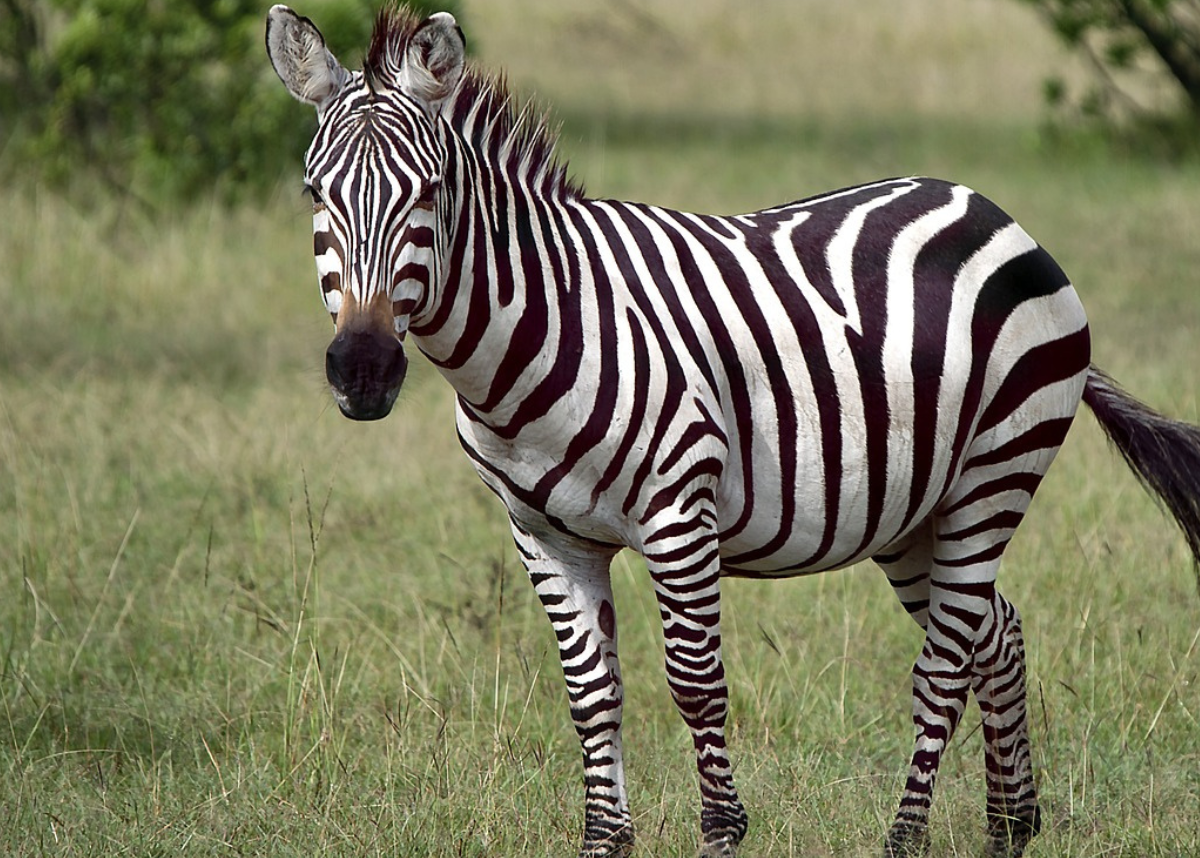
881	372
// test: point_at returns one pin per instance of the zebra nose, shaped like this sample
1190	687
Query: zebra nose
365	370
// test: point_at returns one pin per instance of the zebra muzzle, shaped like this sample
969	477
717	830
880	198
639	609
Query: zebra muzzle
365	370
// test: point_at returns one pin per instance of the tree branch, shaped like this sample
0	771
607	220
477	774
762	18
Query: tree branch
1167	39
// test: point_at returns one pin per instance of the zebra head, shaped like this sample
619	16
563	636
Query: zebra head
374	170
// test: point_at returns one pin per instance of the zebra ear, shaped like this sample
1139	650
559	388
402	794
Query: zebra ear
297	50
434	60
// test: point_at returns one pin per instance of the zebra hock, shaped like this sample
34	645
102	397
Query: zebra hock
882	372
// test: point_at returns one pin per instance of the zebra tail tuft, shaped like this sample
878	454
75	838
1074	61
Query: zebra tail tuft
1163	453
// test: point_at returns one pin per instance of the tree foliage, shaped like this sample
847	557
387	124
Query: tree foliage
163	99
1158	37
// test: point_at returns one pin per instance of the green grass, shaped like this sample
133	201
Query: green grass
234	623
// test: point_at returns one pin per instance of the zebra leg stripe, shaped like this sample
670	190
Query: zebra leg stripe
940	681
576	591
908	566
998	681
961	584
1013	817
972	639
685	571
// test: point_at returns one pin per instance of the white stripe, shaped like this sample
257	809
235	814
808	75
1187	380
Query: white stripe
898	348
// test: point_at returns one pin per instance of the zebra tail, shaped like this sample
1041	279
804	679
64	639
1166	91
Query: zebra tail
1163	453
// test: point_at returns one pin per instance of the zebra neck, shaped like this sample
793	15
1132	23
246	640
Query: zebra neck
505	298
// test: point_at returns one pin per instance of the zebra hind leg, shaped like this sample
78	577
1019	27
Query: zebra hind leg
998	680
1004	467
997	677
907	565
941	682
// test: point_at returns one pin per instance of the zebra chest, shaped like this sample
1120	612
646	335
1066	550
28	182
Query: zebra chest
549	486
601	480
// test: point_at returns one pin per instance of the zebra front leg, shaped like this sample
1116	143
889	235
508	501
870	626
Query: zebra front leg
575	589
1013	817
686	582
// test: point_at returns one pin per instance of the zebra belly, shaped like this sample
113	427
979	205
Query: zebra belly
849	498
842	452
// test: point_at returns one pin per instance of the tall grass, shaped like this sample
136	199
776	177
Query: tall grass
234	623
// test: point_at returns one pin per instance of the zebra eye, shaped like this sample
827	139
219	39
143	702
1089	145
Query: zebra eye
315	195
429	192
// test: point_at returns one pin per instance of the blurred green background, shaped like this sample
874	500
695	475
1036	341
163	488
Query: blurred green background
232	622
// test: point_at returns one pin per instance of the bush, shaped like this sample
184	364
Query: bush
161	100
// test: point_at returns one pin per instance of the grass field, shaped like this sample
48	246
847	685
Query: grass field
234	623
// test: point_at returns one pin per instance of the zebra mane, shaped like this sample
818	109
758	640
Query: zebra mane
394	27
512	135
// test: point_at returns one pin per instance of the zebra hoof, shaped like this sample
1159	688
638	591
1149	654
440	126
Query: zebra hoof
719	847
607	850
616	845
1008	836
906	840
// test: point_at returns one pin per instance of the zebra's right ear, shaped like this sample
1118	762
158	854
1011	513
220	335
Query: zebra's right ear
297	50
434	60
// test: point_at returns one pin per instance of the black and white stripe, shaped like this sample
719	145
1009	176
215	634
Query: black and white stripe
882	372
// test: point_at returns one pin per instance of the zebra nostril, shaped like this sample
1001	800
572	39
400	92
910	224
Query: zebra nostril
335	361
397	366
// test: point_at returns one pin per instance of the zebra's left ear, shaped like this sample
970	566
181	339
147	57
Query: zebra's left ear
297	50
434	61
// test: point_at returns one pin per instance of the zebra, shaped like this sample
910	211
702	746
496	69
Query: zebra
882	372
